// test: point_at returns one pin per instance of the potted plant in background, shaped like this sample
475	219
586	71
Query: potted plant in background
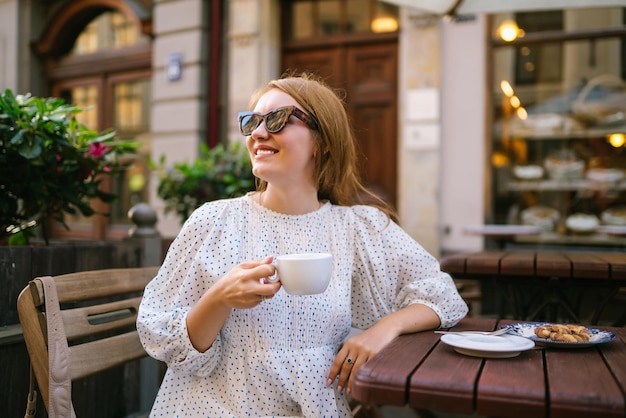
219	172
50	164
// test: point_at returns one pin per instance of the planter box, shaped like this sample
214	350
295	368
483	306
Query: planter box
111	394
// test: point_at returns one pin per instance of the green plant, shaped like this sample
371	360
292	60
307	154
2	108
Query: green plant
219	172
49	163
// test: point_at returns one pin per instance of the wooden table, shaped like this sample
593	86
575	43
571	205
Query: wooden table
545	285
420	371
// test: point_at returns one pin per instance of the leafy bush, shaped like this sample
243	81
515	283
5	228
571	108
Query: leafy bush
49	163
220	172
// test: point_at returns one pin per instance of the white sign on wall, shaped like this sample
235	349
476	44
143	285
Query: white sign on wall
421	136
422	104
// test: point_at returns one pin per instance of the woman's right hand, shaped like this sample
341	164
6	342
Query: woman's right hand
246	285
243	287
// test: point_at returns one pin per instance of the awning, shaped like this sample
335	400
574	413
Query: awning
464	7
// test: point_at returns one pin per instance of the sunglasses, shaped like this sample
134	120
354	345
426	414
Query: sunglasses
275	120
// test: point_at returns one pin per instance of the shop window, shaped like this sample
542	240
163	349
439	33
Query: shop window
559	122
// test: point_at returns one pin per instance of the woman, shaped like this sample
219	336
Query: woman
237	345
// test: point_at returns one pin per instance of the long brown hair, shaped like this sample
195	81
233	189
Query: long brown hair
336	171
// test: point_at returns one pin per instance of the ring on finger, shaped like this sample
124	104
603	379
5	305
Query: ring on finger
349	360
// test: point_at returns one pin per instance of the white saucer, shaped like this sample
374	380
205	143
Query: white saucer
488	346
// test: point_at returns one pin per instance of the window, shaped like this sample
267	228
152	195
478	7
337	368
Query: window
107	72
559	106
318	18
111	30
539	63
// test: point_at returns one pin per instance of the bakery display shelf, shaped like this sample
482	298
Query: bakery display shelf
558	134
553	238
563	185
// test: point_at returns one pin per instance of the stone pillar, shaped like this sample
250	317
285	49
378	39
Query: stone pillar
144	231
253	43
179	72
419	142
9	45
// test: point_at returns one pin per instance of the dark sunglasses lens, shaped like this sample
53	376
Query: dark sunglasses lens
276	120
249	123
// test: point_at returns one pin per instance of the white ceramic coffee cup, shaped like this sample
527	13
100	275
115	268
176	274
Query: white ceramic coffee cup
304	274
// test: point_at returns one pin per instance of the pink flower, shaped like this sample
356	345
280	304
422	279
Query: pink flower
98	150
107	168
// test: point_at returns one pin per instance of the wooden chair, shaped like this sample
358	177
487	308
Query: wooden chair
98	310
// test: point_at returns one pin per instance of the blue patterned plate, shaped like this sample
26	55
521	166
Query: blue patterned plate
527	330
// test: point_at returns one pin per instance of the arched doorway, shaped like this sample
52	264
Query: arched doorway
97	55
353	45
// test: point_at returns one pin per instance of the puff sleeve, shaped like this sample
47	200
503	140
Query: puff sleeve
392	270
167	299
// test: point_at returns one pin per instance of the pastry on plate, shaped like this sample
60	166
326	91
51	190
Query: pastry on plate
563	332
544	217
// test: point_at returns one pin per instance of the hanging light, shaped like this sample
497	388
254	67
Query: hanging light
506	88
616	140
509	31
515	102
384	24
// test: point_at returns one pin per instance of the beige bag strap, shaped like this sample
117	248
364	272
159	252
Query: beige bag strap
31	402
60	383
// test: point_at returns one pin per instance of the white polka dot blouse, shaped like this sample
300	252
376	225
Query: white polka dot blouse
273	360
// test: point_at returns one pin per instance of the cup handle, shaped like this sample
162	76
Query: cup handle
274	277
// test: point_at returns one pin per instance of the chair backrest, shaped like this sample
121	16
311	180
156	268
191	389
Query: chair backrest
99	311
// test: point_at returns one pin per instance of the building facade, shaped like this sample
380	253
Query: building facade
191	65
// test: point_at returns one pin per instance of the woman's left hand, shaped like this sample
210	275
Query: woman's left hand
361	347
355	352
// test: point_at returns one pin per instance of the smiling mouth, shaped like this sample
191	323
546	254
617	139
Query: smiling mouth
265	152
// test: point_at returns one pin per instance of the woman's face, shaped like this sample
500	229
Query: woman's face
285	158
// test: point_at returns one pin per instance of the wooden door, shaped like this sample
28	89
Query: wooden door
367	72
372	107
